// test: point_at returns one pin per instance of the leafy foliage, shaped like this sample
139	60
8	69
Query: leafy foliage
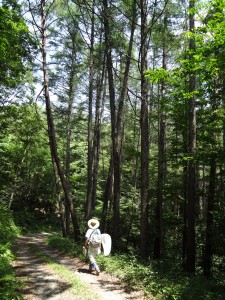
15	45
26	165
8	232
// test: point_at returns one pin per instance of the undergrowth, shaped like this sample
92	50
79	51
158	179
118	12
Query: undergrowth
8	232
157	279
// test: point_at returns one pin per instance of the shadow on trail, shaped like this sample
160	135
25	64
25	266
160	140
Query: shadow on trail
83	270
38	278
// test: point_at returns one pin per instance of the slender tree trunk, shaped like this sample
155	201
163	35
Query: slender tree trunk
184	229
51	129
60	201
119	124
208	252
68	140
108	191
159	226
158	245
107	196
115	158
97	131
191	205
144	136
89	203
136	145
185	164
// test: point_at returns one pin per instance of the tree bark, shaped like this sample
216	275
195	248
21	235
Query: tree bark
97	130
89	202
60	201
191	205
144	136
158	245
68	140
109	66
208	252
107	195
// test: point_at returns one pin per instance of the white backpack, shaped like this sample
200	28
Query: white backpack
95	238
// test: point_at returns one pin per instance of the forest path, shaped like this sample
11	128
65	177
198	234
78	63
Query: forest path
43	282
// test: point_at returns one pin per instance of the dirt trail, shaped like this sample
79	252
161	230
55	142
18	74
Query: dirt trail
42	282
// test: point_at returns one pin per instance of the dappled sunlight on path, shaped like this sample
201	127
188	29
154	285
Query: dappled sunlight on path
43	283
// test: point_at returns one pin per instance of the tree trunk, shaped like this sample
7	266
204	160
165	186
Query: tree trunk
158	245
89	204
51	129
115	158
158	217
144	136
120	121
107	196
191	205
68	144
97	131
208	252
60	201
185	164
136	145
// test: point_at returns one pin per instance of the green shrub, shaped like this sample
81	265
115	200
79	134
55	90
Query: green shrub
8	229
65	245
8	232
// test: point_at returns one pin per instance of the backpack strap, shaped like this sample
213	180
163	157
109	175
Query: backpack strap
92	233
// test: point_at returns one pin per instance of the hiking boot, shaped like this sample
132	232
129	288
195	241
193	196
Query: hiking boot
90	268
96	268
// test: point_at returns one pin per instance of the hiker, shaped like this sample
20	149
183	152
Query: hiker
93	244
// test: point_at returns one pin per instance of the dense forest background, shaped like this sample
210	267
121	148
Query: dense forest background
116	110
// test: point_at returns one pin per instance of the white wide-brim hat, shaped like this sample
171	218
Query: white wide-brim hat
93	223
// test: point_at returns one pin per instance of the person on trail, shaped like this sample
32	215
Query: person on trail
93	244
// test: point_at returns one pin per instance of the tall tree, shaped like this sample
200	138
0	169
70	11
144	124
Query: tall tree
51	129
64	79
112	97
208	251
158	244
99	108
144	134
191	185
118	108
89	202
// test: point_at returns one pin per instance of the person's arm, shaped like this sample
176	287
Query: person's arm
86	243
87	237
